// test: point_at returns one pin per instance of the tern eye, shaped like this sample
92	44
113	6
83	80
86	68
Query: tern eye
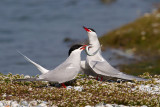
92	30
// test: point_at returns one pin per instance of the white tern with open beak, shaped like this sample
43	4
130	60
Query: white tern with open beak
66	71
97	64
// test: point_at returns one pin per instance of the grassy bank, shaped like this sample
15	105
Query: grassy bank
142	37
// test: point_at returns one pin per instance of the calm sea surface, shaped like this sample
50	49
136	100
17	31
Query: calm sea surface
38	28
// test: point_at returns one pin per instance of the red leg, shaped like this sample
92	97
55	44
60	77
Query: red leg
101	78
63	85
97	77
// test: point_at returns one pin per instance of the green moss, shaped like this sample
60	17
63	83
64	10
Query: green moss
142	35
138	68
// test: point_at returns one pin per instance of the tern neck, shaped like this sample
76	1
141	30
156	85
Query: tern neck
75	57
93	40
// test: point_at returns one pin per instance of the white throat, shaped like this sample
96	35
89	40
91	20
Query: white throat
93	40
75	57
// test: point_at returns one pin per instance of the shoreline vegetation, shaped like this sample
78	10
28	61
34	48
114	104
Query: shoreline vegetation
142	38
84	91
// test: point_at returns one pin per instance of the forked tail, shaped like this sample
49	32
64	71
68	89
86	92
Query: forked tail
39	67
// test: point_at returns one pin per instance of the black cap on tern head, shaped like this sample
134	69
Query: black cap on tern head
89	29
76	46
92	29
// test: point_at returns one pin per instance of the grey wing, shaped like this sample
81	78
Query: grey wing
104	68
62	73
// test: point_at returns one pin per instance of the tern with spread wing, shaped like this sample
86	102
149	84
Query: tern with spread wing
66	71
97	65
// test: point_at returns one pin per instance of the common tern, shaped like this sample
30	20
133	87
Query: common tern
66	71
97	65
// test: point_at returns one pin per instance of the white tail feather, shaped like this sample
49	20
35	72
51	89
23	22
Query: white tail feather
39	67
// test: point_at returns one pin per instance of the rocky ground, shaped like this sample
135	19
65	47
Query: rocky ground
84	91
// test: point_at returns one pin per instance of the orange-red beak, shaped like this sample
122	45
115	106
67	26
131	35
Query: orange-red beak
86	29
83	47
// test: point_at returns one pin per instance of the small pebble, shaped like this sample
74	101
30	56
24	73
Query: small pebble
1	104
88	106
4	95
42	105
14	104
33	103
7	103
69	87
24	103
78	88
108	105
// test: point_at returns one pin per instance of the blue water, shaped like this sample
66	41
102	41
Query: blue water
38	27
